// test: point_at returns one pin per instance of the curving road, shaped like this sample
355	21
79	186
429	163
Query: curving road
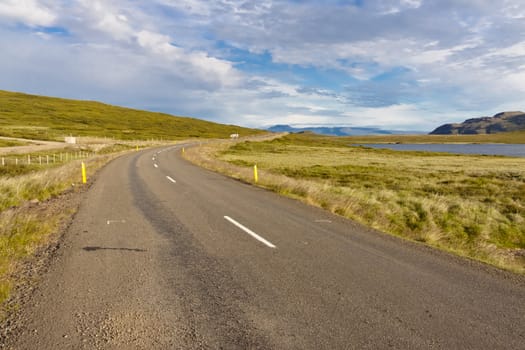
165	255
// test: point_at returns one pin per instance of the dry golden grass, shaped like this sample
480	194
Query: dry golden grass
22	232
471	205
44	184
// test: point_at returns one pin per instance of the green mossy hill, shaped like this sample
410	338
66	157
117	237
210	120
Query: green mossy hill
50	118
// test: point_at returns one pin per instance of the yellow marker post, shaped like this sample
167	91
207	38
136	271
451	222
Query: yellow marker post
183	150
83	173
136	148
255	175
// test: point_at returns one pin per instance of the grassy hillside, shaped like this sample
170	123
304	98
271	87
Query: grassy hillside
49	118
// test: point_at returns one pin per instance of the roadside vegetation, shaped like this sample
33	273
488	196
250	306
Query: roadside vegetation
516	137
47	174
49	118
30	217
11	143
473	206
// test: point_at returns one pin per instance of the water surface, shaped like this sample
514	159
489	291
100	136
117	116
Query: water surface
513	150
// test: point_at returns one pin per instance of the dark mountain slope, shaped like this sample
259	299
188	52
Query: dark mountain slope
501	122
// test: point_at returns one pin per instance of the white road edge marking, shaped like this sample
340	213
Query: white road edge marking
155	165
250	232
169	178
115	221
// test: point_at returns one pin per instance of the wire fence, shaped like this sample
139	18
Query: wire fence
44	159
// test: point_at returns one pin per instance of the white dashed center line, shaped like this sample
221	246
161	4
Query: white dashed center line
155	165
169	178
250	232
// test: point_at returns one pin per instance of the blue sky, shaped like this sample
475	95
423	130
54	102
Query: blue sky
393	64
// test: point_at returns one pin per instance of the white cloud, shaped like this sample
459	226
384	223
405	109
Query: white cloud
402	116
192	7
29	12
515	50
393	7
411	3
157	43
115	25
105	18
197	64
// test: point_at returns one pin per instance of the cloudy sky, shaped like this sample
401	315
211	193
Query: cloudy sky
393	64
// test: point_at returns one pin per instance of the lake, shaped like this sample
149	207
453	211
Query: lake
513	150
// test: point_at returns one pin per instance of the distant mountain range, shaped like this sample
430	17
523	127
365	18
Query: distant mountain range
336	130
501	122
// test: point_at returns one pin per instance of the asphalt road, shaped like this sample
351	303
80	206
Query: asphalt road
165	255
